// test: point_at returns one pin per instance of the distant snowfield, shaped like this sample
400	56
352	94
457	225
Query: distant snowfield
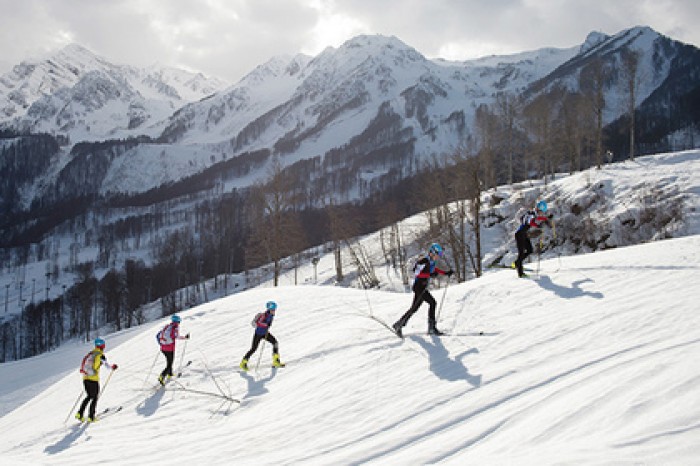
594	362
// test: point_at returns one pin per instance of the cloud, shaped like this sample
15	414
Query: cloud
228	38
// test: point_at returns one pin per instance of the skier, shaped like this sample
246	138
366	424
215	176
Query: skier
262	323
424	269
532	219
166	339
90	368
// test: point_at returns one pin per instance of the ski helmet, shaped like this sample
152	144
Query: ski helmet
271	305
542	206
176	318
99	343
436	249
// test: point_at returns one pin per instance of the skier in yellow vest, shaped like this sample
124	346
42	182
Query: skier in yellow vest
90	368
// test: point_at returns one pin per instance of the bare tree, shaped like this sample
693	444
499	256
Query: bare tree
630	65
487	133
575	128
539	118
592	83
394	251
273	234
85	293
507	109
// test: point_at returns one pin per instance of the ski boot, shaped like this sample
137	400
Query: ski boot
161	380
276	361
92	419
244	365
79	417
398	325
432	328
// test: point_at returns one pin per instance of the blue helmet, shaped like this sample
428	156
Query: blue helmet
271	305
542	206
176	318
99	343
436	249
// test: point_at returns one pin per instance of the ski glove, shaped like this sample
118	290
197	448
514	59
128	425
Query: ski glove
114	367
187	336
449	273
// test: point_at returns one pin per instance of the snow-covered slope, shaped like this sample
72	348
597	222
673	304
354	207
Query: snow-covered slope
594	362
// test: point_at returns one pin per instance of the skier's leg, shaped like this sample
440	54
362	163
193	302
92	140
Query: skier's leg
275	347
93	388
168	370
418	293
83	405
253	347
524	249
275	351
428	298
170	357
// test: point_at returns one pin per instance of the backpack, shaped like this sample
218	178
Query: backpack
163	337
87	366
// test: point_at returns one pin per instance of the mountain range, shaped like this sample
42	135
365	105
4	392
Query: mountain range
374	110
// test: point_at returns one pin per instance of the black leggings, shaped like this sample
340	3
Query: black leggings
524	248
256	341
169	357
92	388
420	295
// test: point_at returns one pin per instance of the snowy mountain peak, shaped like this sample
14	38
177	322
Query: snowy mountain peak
276	67
593	40
75	53
70	91
382	46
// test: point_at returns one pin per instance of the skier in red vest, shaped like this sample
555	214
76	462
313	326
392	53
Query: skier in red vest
166	339
90	368
530	226
262	323
424	269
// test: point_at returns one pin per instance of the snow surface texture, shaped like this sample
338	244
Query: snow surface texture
593	362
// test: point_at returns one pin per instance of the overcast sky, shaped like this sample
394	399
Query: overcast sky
228	38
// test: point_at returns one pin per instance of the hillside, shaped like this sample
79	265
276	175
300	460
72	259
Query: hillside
593	362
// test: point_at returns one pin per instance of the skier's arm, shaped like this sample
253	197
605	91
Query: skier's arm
102	360
422	269
263	321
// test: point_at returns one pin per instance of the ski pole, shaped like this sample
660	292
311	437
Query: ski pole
444	292
145	381
74	405
369	304
111	373
182	356
442	300
262	348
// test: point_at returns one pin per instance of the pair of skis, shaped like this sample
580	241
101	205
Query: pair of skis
105	413
510	267
391	329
